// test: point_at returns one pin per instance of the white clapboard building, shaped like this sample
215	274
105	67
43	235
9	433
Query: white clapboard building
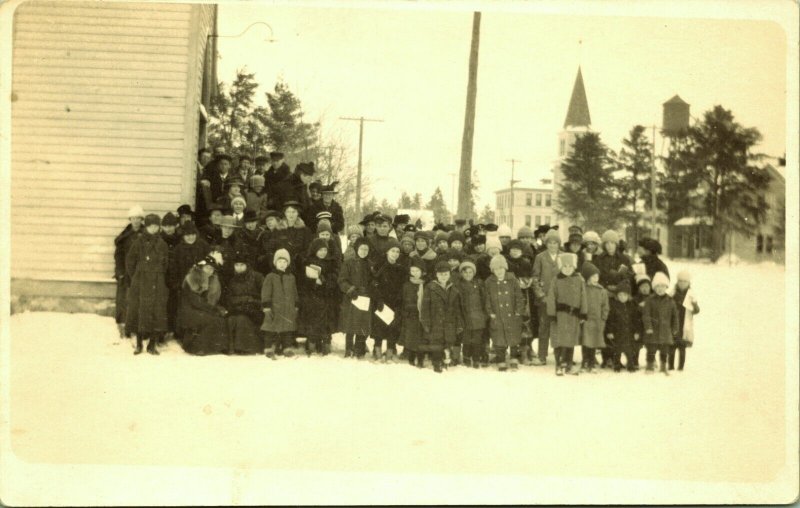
108	109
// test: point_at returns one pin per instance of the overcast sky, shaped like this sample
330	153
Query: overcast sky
409	68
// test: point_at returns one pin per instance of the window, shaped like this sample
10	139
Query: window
760	243
547	200
528	220
547	220
528	198
538	220
538	200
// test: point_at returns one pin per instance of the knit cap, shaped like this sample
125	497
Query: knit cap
421	234
610	236
525	232
239	199
418	262
467	264
552	236
390	244
440	236
650	244
588	269
498	261
169	219
504	230
281	254
354	230
316	245
642	278
660	279
152	219
567	259
516	244
454	254
136	211
685	276
324	226
189	228
407	238
257	181
455	236
624	287
493	240
592	236
442	266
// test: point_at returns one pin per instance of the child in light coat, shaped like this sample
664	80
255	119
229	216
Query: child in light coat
280	304
566	307
596	315
687	306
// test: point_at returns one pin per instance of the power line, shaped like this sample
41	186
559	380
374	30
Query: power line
360	121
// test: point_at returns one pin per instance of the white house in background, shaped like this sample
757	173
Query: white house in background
108	109
524	206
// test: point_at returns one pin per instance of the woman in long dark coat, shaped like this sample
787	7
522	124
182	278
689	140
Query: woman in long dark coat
122	245
146	266
185	255
242	300
387	288
201	315
319	297
355	279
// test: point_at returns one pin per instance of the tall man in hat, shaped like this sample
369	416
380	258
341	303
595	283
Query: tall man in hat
212	182
328	204
295	186
277	172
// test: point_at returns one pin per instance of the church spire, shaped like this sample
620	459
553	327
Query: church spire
578	112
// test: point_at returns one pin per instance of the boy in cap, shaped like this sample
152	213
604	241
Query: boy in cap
122	245
567	307
185	214
473	309
378	243
545	270
279	301
596	315
440	315
660	322
255	197
411	331
623	327
505	305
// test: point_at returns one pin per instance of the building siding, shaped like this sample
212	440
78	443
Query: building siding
105	100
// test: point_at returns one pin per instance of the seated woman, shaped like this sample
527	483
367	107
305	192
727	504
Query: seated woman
242	299
203	320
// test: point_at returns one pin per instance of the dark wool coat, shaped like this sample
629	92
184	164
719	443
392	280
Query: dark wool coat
566	301
146	266
597	308
184	257
440	316
122	245
609	266
272	177
242	298
545	270
624	320
355	279
377	249
473	303
205	330
482	268
504	300
171	240
660	320
429	258
228	247
256	202
295	239
335	209
291	188
265	255
653	265
520	267
387	289
318	303
217	189
279	293
411	332
250	245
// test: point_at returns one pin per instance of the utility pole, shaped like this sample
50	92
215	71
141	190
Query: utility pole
465	170
653	185
360	121
453	192
511	206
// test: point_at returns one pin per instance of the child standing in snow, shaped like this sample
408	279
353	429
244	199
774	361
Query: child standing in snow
622	327
660	321
596	315
318	297
566	307
473	310
355	280
279	301
687	308
387	291
410	325
643	292
440	315
505	306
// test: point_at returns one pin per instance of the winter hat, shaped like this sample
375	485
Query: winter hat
591	237
442	266
610	236
516	244
407	238
650	244
524	232
324	226
273	214
467	264
567	259
169	220
642	278
454	254
189	228
214	259
504	230
391	243
588	270
660	279
354	230
240	256
552	236
281	254
228	221
575	229
456	236
234	181
185	210
624	287
498	261
316	245
239	199
359	242
685	276
250	216
136	211
423	235
575	238
257	181
479	239
418	262
324	215
440	237
152	219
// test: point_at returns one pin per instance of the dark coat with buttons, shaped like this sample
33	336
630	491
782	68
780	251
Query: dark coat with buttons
504	300
660	320
624	320
146	265
610	272
387	289
411	332
440	316
473	303
355	279
279	293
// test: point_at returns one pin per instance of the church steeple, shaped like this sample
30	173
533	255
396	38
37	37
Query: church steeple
578	112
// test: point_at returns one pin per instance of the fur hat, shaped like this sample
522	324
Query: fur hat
281	254
567	259
456	236
169	219
391	243
239	199
516	244
552	236
354	230
185	210
541	230
592	236
189	228
624	286
418	262
491	227
240	256
642	278
403	218
316	245
467	264
257	181
408	237
660	279
588	269
442	266
423	235
359	242
610	236
493	241
441	236
135	211
324	226
525	232
453	254
479	239
650	244
498	261
504	230
152	219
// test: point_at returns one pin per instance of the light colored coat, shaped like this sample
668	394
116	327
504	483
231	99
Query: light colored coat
597	308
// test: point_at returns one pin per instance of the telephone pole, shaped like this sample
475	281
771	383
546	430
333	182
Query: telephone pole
360	121
465	171
511	206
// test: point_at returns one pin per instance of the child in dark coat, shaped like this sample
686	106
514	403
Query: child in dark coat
242	299
567	307
410	326
522	268
643	292
355	280
318	297
279	301
687	308
387	291
473	308
623	326
660	322
146	266
440	315
596	315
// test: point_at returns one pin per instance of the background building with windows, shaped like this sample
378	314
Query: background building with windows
525	206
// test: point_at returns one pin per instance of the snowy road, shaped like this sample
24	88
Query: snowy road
77	397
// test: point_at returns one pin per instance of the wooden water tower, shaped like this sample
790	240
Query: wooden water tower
676	116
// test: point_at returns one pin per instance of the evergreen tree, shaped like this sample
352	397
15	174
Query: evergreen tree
230	110
679	190
635	164
588	193
486	216
386	208
417	202
286	129
405	201
438	206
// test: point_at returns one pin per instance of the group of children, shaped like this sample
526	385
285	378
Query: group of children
460	295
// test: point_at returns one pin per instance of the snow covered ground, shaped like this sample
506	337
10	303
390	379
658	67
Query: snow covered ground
250	428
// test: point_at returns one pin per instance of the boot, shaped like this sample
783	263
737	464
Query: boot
447	359
650	367
455	355
502	366
420	360
664	368
376	353
524	356
138	349
411	356
326	348
437	362
121	330
389	357
270	353
151	346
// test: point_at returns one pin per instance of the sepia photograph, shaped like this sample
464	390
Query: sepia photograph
403	253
